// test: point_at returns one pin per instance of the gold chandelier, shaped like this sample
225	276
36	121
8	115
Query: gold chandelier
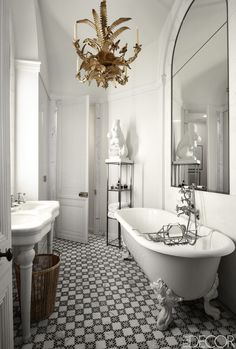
106	63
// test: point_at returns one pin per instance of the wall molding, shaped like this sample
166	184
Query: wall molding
64	99
112	96
143	89
29	66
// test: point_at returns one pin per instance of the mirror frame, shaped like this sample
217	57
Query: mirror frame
228	98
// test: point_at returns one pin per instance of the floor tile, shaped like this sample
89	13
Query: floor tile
105	302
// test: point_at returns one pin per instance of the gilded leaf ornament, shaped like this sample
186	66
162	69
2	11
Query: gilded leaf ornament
106	62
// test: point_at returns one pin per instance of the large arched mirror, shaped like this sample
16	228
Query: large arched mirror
200	102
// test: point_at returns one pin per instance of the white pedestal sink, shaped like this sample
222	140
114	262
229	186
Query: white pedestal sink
30	222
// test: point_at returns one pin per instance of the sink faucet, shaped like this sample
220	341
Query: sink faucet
20	198
12	200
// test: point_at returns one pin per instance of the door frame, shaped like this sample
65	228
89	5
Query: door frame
6	310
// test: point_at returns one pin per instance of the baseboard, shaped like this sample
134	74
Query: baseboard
70	237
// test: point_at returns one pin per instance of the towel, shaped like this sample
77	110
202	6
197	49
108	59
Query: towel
111	214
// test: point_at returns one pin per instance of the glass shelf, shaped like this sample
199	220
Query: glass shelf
119	190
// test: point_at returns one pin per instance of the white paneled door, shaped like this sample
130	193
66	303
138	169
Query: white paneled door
72	169
6	313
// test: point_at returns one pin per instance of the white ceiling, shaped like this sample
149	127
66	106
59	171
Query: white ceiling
58	18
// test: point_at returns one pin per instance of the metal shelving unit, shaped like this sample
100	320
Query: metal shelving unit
124	168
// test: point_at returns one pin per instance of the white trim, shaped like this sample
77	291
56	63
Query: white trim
168	38
169	34
135	92
30	66
67	98
4	121
113	96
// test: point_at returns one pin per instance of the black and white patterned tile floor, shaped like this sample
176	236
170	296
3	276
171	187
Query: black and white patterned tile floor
105	302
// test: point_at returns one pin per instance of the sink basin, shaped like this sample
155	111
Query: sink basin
51	207
36	205
26	221
32	220
29	228
19	219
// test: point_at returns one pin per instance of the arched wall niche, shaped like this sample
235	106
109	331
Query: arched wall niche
216	210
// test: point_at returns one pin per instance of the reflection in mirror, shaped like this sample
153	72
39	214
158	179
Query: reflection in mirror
200	108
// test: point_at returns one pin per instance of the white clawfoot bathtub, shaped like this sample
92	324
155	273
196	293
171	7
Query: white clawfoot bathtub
182	272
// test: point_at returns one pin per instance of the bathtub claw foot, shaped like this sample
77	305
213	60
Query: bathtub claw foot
212	294
126	255
167	299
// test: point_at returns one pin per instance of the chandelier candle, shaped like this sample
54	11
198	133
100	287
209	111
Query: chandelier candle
75	32
106	63
137	36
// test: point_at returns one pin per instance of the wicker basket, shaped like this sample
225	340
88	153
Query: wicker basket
44	285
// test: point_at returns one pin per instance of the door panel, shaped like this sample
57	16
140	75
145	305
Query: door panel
6	322
72	219
72	169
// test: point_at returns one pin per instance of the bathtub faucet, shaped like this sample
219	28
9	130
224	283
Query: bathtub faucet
183	210
189	209
188	199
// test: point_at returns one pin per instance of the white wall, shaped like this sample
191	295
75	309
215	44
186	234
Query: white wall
25	29
142	129
42	54
27	129
141	124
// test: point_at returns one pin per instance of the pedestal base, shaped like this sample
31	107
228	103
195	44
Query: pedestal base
25	261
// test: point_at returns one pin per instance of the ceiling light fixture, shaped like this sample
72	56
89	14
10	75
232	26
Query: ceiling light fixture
106	63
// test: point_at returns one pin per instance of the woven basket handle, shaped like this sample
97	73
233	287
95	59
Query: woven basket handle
56	252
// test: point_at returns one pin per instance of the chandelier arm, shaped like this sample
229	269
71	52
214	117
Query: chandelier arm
137	49
93	43
80	52
81	55
83	80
